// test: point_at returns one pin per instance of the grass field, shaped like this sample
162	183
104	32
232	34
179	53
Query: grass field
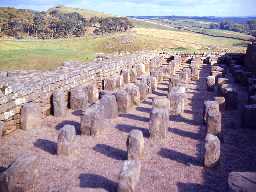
48	54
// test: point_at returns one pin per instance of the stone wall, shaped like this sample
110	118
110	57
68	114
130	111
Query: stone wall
250	57
19	87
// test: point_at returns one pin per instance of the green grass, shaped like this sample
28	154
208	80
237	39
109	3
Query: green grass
49	54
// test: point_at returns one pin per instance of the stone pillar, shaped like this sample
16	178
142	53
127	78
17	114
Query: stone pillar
242	181
144	90
109	104
210	105
65	139
135	145
140	69
249	116
231	98
93	93
1	129
78	99
177	103
31	116
22	175
129	176
92	121
161	102
221	102
210	80
153	82
134	93
133	75
174	81
212	150
123	100
110	84
126	76
59	103
119	81
213	122
159	123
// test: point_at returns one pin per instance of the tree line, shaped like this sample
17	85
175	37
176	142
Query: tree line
20	23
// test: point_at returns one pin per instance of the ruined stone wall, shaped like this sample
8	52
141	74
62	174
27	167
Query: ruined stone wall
250	58
19	87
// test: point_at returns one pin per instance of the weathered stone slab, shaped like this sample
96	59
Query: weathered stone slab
78	98
159	123
212	150
65	139
129	176
109	104
123	100
22	175
135	145
59	103
31	116
242	181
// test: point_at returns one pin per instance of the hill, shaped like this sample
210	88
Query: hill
86	13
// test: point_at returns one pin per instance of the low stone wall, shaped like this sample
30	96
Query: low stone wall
250	58
19	87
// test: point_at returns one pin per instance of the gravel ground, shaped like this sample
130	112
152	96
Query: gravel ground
171	165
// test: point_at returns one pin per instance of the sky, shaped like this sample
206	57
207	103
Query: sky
147	7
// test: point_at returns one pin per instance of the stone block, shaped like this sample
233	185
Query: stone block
110	84
123	100
144	90
140	69
213	122
135	145
92	121
66	138
78	99
210	81
134	93
31	116
59	103
242	181
210	105
212	150
177	103
93	93
249	116
109	104
22	175
129	176
159	123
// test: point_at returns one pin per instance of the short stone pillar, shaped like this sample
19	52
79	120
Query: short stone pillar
31	116
93	93
161	102
210	105
133	75
174	81
119	81
140	68
159	123
213	122
65	139
249	116
144	90
231	97
212	150
135	145
126	76
210	81
109	104
110	84
22	175
59	103
1	129
92	121
134	93
123	100
78	99
221	102
129	176
177	103
154	83
186	75
194	73
242	181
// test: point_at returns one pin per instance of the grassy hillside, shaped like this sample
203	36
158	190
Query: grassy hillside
84	12
48	54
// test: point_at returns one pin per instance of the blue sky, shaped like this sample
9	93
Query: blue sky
146	7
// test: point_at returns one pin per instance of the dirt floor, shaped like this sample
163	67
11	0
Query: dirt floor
175	164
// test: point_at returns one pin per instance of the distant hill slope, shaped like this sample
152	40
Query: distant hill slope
84	12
